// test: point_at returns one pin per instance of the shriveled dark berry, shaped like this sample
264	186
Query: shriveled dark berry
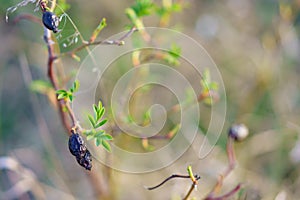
78	149
76	145
86	160
51	21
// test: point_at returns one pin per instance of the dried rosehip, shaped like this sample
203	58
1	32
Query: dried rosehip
86	160
76	145
79	150
51	21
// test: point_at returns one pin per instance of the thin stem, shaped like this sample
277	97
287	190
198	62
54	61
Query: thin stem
230	155
53	79
85	44
194	180
193	186
95	181
71	114
231	165
169	178
53	5
227	195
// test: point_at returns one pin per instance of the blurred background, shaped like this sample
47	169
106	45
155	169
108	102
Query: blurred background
255	45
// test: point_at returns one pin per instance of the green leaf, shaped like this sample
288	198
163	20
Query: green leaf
75	86
143	7
87	132
214	86
61	91
131	14
106	137
71	97
101	113
206	76
176	7
99	134
175	51
98	141
40	86
90	137
61	94
92	121
190	172
171	59
106	145
97	30
100	106
100	123
95	108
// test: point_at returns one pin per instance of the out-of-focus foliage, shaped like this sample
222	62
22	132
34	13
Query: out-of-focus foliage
255	45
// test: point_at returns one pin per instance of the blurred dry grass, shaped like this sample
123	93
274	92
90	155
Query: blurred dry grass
255	44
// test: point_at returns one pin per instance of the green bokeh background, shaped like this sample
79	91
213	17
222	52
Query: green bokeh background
256	46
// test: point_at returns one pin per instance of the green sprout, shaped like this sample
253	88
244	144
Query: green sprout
173	55
209	94
143	7
102	24
68	94
97	121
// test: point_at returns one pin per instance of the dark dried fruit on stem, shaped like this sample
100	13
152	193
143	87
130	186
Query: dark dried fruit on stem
51	21
78	149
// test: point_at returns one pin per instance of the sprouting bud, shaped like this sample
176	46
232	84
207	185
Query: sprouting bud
238	132
78	149
51	21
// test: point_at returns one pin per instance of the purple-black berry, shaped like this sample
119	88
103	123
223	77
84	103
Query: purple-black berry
78	149
51	21
238	132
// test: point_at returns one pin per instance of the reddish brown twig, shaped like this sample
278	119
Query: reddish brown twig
227	195
53	80
231	166
95	181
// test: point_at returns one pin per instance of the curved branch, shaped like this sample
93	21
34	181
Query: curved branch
171	177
